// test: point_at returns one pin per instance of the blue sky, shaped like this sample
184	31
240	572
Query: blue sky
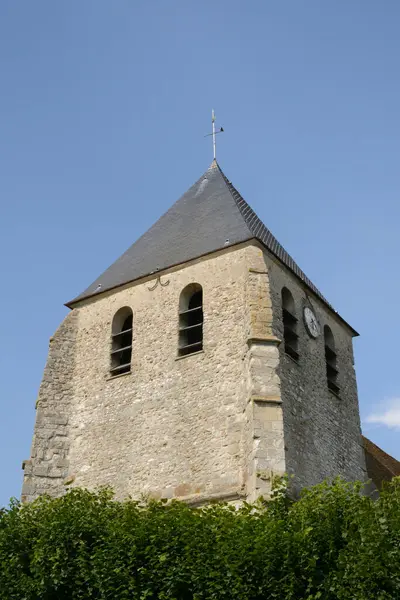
103	109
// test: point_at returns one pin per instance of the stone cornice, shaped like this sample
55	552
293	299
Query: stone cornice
263	339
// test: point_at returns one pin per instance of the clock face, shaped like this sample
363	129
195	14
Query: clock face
311	322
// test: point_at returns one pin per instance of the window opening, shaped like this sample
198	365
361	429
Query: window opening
331	361
191	320
290	335
121	345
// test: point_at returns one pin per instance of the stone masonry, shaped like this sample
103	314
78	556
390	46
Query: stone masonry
215	424
322	431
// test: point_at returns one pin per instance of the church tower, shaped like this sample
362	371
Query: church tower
199	365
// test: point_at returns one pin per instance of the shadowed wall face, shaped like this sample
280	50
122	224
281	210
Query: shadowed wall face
322	428
48	464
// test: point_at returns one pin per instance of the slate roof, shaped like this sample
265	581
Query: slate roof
210	216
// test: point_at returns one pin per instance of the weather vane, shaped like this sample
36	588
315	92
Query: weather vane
214	133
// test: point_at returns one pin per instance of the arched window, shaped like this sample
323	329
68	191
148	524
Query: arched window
191	320
331	360
121	347
290	336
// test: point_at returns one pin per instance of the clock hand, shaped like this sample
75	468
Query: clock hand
314	324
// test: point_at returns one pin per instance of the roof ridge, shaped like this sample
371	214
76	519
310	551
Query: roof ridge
264	235
237	197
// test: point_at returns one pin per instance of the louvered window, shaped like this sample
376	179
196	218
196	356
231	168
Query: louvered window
121	342
191	320
331	361
290	335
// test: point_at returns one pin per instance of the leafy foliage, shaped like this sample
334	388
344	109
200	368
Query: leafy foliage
334	543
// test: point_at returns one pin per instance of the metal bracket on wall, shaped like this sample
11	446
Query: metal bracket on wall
158	281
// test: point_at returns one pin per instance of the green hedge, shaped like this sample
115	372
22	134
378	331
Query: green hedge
334	543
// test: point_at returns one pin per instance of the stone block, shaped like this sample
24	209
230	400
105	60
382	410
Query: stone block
40	470
28	468
184	489
28	487
56	473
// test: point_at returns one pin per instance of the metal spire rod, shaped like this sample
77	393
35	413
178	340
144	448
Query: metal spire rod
214	133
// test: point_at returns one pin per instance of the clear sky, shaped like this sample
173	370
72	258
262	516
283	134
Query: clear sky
103	109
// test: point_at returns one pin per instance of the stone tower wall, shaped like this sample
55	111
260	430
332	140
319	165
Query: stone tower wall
215	424
322	431
264	453
173	427
47	467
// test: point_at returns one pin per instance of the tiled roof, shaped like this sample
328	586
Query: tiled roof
210	216
380	465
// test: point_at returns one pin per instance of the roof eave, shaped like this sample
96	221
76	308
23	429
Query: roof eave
72	303
319	297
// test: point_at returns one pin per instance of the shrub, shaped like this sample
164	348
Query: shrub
333	543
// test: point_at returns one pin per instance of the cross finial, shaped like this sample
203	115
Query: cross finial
214	133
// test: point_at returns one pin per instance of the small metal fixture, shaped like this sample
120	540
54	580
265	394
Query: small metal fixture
158	281
214	133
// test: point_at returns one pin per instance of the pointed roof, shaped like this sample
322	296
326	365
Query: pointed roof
210	216
380	465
